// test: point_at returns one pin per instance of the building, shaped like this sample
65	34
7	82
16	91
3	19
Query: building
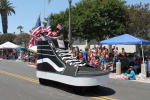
83	43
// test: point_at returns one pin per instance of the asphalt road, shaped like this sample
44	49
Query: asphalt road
18	82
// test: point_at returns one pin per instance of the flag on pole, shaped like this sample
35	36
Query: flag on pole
36	32
48	27
59	27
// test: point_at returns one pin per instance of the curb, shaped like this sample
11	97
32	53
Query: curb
140	80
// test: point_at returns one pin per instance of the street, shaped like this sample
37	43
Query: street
19	82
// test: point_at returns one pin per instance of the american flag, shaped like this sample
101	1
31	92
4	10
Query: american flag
54	34
36	32
59	27
48	27
43	29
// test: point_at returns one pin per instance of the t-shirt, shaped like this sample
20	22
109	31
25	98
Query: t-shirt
85	53
132	75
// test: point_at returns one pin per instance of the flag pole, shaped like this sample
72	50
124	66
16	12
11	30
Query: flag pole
142	52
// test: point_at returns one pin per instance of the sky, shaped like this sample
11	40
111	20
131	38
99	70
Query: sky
27	12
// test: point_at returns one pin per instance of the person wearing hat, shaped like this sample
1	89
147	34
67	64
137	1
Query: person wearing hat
44	36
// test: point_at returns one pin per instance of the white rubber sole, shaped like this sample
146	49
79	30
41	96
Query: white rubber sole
74	81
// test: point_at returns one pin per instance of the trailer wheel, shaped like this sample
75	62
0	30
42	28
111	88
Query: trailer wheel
78	90
43	81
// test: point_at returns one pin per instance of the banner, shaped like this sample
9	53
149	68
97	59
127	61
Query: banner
60	43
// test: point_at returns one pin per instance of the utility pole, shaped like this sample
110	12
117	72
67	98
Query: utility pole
70	24
44	8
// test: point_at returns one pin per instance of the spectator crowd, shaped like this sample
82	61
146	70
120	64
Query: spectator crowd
13	54
101	57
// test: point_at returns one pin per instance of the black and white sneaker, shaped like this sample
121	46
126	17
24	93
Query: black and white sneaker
58	64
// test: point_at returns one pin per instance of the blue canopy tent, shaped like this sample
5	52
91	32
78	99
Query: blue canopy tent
126	39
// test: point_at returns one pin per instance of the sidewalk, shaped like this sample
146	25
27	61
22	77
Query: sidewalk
146	80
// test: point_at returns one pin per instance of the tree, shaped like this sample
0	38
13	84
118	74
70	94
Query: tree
100	19
94	19
139	20
20	28
6	9
22	39
7	37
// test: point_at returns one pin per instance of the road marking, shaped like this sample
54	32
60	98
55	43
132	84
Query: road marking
20	77
36	81
103	98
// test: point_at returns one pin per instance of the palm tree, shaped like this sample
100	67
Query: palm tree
20	28
5	10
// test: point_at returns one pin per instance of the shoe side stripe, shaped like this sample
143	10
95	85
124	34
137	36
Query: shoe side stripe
51	63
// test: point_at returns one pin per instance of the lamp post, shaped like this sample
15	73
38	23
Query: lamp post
70	24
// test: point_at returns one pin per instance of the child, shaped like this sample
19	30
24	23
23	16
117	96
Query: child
131	76
96	61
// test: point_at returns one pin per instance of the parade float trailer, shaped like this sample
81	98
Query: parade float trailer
55	62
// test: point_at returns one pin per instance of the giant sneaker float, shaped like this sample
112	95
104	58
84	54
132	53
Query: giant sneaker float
56	62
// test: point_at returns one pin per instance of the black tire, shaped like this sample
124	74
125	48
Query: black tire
43	81
78	90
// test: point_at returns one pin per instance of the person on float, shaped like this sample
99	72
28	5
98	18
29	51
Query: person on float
54	33
44	36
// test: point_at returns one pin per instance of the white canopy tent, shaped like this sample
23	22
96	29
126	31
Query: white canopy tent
8	45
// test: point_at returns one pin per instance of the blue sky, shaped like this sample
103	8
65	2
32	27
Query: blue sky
27	12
